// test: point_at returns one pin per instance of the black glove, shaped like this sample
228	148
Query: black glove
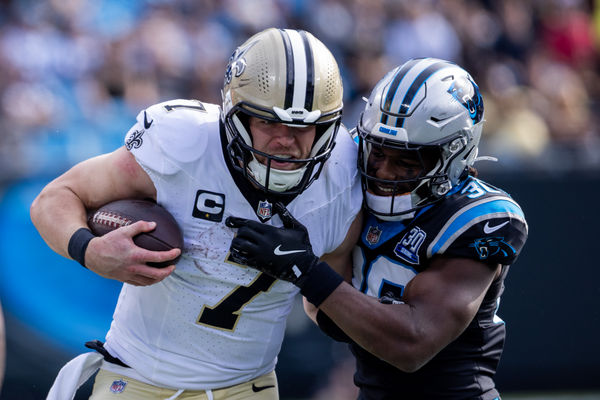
284	253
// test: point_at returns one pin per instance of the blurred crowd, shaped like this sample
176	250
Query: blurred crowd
74	73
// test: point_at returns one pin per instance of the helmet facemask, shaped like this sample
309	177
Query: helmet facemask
262	174
404	195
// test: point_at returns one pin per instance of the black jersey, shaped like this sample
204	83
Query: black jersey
475	220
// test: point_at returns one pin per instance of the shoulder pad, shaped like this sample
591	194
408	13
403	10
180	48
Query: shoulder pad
344	154
490	227
170	133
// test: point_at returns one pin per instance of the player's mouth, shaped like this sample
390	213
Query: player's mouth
278	164
380	190
387	190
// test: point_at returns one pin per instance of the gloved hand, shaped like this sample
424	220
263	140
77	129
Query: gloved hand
283	253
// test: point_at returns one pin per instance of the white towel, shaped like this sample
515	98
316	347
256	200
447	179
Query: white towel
74	374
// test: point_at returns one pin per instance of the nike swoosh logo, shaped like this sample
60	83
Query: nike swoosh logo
259	388
489	229
279	252
146	123
439	123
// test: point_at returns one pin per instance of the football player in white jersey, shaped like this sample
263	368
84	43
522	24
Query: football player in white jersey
208	328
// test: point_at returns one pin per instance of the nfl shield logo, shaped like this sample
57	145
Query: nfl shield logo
373	234
118	386
264	209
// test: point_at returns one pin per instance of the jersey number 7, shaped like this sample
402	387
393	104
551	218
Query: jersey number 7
226	313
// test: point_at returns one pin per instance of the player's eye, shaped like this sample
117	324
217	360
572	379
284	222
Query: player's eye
377	154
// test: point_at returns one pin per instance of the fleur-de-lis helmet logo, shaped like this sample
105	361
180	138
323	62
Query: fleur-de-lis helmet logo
237	63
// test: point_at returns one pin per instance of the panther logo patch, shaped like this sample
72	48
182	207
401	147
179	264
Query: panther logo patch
491	246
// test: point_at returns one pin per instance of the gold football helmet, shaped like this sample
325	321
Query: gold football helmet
285	76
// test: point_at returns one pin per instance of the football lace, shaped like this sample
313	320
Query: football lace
111	219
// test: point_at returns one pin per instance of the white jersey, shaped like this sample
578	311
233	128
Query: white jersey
213	323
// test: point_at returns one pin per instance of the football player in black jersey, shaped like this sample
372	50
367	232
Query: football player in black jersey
420	306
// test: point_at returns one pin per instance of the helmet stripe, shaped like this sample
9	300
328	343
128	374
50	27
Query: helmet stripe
414	88
310	73
289	61
391	93
300	69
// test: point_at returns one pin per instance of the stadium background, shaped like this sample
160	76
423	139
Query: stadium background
74	73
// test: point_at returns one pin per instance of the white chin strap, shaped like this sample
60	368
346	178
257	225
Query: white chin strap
382	205
279	180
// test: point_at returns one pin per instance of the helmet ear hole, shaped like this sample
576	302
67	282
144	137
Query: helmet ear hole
430	159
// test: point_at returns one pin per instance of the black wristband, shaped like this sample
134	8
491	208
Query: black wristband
320	283
78	244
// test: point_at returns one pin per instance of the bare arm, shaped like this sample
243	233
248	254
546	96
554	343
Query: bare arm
439	304
60	209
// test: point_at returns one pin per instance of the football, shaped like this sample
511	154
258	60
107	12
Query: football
166	236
